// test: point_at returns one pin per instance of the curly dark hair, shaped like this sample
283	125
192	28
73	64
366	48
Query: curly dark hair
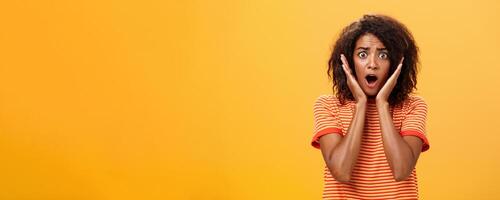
396	38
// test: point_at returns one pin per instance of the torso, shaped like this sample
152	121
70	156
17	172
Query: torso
371	176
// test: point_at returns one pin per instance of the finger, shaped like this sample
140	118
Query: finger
396	73
344	60
346	71
400	65
345	64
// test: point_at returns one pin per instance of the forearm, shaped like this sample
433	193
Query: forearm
399	154
343	158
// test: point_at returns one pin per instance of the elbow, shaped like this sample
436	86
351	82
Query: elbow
340	175
400	178
401	175
343	178
401	170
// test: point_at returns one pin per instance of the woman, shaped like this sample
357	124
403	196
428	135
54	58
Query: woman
372	131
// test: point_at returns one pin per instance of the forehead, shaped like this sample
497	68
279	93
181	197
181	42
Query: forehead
370	41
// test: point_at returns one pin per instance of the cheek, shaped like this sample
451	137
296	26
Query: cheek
385	64
359	73
385	72
358	66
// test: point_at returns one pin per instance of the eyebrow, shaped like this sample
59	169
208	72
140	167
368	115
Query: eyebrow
366	48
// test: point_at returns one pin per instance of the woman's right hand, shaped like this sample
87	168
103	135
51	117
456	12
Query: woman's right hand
358	93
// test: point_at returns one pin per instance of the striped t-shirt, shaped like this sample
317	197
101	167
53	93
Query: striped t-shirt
371	177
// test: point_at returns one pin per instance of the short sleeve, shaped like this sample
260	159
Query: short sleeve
414	121
325	121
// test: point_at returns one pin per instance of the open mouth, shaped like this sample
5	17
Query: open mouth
371	79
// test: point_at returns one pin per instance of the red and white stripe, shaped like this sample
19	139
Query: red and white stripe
371	177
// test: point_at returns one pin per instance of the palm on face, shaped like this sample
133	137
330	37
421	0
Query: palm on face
385	91
359	94
353	85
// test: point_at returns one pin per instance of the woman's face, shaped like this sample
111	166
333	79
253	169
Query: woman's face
371	63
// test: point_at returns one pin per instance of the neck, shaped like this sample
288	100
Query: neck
371	100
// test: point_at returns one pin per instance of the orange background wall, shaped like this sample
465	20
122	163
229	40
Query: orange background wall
213	99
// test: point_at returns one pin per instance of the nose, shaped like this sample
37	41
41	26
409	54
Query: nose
372	64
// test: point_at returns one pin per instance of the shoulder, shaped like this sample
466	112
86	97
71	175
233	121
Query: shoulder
327	101
414	102
326	98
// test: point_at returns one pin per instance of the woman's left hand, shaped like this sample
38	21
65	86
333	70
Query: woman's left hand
383	94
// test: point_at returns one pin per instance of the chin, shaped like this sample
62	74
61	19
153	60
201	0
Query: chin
371	93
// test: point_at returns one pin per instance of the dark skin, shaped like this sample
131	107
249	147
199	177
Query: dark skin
341	152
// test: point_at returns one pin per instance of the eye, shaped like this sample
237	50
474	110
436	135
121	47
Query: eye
383	55
362	54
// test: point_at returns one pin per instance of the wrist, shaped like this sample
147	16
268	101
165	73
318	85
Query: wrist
361	103
361	100
382	104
